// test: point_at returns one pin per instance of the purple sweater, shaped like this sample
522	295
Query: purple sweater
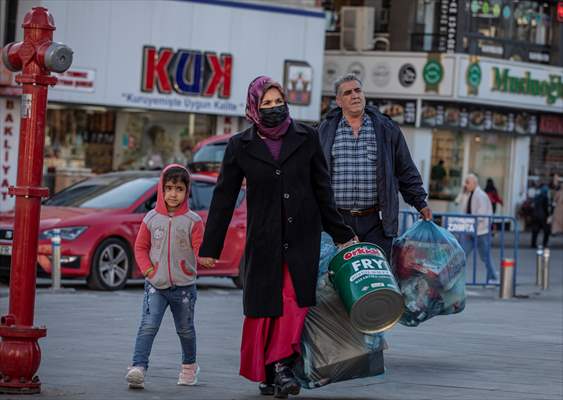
274	146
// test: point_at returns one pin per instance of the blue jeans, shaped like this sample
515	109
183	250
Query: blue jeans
484	250
181	300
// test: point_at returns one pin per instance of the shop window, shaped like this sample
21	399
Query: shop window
489	158
447	165
516	30
78	142
546	157
375	28
151	140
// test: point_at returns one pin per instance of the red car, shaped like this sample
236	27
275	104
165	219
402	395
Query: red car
208	155
98	220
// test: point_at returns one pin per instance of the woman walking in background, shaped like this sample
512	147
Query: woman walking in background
492	192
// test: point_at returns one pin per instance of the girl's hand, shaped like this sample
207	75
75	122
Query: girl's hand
206	262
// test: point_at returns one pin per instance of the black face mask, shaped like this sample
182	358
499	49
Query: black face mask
272	117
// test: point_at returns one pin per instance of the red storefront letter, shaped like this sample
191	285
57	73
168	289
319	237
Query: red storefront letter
218	75
155	70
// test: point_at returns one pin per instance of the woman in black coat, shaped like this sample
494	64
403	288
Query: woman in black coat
290	201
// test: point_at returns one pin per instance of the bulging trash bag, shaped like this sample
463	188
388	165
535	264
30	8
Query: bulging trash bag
331	349
430	267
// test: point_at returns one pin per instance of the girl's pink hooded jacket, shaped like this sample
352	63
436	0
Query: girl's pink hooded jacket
169	243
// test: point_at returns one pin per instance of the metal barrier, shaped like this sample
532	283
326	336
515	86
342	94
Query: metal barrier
464	228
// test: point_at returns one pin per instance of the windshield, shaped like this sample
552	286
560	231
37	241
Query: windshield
212	152
103	192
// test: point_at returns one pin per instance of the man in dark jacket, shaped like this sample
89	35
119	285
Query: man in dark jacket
369	162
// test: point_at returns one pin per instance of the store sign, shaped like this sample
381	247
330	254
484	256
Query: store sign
478	118
381	74
505	81
394	75
551	124
407	75
9	141
298	82
433	73
509	84
76	79
188	72
447	25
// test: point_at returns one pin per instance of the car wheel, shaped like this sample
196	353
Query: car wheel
111	265
5	278
239	280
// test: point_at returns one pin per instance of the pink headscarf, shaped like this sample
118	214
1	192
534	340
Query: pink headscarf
256	91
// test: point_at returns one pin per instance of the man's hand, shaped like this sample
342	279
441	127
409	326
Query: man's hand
426	213
206	262
350	242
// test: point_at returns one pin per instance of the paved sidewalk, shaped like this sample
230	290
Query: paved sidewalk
501	350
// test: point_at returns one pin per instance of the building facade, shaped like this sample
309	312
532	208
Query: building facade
150	79
477	86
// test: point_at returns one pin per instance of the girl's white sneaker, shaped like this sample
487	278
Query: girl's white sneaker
136	377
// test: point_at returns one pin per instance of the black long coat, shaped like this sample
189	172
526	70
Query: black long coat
289	202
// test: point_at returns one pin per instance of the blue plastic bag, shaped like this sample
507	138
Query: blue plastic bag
430	267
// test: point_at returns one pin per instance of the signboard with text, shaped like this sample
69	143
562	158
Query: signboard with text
196	57
9	142
394	74
510	83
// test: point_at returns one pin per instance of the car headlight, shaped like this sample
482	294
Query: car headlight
70	233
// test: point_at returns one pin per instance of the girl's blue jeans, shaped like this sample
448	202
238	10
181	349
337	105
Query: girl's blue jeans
181	300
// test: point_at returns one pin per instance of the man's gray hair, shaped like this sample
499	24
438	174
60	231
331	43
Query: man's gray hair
345	78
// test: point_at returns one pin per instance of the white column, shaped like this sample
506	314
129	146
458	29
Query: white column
419	142
518	182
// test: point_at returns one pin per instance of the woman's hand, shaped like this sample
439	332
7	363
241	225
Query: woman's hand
350	242
206	262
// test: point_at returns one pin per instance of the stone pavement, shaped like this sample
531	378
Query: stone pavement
495	349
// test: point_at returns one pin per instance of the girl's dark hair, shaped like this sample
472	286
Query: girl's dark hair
175	175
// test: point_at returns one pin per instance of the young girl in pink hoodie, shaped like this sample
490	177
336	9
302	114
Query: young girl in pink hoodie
166	251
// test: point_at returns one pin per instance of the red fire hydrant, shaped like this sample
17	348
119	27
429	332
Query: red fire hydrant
36	57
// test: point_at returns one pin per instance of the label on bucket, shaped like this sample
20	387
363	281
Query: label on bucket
361	270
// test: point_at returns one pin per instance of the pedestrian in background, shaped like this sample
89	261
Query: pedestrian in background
474	201
165	251
289	201
540	215
370	163
492	192
557	224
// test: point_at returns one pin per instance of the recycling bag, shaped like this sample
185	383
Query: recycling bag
331	349
430	266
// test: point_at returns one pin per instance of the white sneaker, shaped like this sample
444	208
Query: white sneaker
188	374
136	377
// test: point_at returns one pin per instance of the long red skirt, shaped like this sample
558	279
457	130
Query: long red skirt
267	340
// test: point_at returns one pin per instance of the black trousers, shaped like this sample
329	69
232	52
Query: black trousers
540	225
369	229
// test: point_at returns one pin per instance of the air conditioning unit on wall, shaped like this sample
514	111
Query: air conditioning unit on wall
356	28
